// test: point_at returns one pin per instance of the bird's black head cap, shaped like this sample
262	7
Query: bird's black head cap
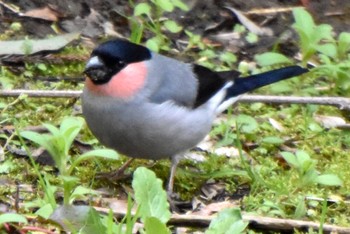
114	55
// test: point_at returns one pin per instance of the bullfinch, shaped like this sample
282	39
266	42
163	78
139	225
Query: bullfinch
146	105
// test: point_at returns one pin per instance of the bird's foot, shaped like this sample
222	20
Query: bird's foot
116	175
177	205
113	175
173	199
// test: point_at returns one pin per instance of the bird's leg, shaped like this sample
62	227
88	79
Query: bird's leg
174	162
118	174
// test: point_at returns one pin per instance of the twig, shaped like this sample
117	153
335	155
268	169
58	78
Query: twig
255	222
41	93
340	102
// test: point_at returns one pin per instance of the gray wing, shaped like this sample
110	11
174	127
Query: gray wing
171	80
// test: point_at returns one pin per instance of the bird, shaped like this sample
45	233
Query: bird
146	105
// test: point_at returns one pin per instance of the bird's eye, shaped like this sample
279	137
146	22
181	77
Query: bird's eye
121	63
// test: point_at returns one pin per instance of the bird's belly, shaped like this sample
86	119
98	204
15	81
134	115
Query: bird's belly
134	141
139	133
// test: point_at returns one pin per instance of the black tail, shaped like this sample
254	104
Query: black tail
246	84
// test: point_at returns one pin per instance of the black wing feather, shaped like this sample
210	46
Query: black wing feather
210	82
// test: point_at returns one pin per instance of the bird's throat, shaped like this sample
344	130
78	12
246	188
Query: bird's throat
125	84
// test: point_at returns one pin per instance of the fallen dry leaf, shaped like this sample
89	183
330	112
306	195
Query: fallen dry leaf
250	25
277	125
45	13
211	189
26	47
215	207
330	121
194	156
227	151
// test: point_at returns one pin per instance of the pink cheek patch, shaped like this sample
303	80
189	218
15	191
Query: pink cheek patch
124	84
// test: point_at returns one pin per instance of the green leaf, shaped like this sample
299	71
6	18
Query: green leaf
42	67
45	211
273	140
166	5
237	227
329	179
343	43
328	49
305	45
228	221
153	44
81	191
252	38
52	129
247	124
53	144
315	127
70	128
142	9
7	166
93	223
69	182
78	218
181	5
70	122
154	225
309	178
111	226
99	153
281	87
150	196
323	31
137	30
303	20
40	139
172	26
228	57
302	156
290	159
304	160
300	210
12	218
271	58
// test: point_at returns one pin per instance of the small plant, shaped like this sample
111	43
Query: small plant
58	144
149	15
272	58
11	218
228	221
306	170
311	35
152	210
332	52
317	44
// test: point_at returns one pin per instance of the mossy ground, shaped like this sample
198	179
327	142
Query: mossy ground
275	188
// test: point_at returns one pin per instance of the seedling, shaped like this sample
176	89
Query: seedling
149	16
306	170
317	44
58	144
310	34
152	210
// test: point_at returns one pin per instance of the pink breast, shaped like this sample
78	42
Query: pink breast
125	84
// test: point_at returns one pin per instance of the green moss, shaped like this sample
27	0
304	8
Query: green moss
273	185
